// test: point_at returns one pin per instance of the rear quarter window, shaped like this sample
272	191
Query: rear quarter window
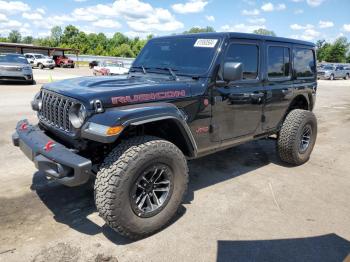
304	62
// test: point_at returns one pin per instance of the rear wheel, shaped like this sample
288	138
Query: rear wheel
61	65
297	137
331	77
346	77
140	186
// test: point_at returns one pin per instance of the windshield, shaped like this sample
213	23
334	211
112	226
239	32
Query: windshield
13	58
185	55
328	68
39	56
113	64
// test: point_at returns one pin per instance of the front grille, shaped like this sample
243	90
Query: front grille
55	111
11	68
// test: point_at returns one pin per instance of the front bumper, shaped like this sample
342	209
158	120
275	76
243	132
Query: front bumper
16	76
323	76
50	157
49	64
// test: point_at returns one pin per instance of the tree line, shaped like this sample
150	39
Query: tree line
90	44
122	46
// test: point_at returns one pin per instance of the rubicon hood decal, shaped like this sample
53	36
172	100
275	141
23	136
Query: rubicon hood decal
121	90
122	100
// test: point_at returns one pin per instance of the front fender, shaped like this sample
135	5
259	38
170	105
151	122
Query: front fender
134	115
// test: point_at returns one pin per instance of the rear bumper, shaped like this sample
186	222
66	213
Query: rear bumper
56	161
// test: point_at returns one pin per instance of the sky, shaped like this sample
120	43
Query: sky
309	20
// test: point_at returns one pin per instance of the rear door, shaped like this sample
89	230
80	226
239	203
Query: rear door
237	110
278	82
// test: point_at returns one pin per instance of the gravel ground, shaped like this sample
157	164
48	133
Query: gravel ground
243	204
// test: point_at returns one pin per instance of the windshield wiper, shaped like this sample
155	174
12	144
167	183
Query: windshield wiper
140	67
171	71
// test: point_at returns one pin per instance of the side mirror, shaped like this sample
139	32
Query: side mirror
232	71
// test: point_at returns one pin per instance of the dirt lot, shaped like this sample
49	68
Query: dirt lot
243	204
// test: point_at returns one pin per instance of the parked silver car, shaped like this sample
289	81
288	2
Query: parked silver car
15	67
332	72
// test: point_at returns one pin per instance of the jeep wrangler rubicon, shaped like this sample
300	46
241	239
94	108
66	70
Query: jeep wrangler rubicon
185	96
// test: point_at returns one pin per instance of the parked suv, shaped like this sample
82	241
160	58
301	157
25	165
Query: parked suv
15	67
63	61
332	72
185	96
40	61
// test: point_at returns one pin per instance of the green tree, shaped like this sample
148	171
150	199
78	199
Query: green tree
336	53
56	35
123	50
27	40
262	31
322	49
14	36
69	35
196	30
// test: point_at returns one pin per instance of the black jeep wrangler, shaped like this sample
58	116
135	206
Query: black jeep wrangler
185	96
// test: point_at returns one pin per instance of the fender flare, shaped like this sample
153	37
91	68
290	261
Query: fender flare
135	115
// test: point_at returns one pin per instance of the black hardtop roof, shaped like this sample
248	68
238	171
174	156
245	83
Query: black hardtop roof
245	36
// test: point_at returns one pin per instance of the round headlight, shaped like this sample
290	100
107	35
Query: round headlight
77	115
37	102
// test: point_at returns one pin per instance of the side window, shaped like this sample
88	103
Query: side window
278	62
304	62
248	55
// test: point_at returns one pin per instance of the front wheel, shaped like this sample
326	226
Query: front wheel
331	77
346	77
140	186
297	137
41	66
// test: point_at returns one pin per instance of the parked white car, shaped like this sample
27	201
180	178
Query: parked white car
39	60
110	68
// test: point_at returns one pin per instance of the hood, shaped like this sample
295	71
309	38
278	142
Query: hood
121	90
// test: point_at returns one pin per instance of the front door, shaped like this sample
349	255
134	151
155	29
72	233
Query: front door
237	109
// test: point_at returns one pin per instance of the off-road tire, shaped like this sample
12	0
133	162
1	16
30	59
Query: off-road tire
290	135
117	176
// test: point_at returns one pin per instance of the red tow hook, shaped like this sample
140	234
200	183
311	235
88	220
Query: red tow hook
49	146
23	127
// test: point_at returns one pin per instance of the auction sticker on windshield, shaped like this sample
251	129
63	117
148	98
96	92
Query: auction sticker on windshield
210	43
